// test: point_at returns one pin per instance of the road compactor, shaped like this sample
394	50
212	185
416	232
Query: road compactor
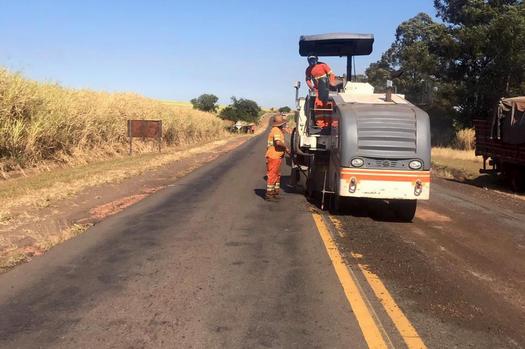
360	144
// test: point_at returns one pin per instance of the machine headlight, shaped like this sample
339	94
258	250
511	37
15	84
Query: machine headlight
415	164
357	162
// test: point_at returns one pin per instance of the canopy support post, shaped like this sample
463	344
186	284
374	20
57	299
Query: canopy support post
349	68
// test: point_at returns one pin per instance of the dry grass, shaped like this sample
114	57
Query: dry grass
456	154
46	122
189	105
459	160
25	232
454	163
465	139
13	255
44	188
178	103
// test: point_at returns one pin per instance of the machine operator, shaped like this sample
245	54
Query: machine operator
315	72
319	78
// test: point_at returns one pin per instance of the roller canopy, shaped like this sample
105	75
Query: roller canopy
336	44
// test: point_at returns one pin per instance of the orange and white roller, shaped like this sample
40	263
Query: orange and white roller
384	184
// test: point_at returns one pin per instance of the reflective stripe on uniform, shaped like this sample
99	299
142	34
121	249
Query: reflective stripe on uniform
274	136
322	76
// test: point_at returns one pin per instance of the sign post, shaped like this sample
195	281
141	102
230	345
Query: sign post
144	129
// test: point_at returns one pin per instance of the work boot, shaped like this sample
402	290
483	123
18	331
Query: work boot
270	196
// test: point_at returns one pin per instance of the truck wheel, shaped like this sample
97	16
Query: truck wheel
336	204
294	145
309	188
404	209
293	135
310	180
295	177
516	179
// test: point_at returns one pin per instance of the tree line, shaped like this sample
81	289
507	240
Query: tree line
240	109
459	67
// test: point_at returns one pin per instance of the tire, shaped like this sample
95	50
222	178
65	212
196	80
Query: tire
310	180
293	139
295	177
293	136
309	192
405	210
335	204
295	174
516	179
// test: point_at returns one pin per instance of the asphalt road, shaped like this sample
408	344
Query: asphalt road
207	263
458	270
204	263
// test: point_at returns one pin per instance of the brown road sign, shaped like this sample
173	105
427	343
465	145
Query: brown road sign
144	129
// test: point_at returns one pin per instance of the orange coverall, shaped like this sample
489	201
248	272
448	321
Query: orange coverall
314	73
273	160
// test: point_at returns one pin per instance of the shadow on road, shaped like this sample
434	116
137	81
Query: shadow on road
260	193
493	182
285	187
378	210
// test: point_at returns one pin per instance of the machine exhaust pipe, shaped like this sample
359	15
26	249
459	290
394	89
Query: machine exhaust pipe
297	86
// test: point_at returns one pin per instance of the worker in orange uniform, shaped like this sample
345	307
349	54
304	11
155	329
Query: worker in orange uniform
318	70
274	155
314	73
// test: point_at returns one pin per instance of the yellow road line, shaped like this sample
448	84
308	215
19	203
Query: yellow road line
368	326
403	325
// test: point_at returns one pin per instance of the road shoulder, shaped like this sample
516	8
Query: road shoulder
33	227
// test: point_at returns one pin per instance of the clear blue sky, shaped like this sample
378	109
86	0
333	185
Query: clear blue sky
180	49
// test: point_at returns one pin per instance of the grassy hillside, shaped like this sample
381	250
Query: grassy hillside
178	103
42	121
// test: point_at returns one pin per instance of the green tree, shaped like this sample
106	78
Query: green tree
415	53
487	55
416	56
241	109
205	102
285	109
468	62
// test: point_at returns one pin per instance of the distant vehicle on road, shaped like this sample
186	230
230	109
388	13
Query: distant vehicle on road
500	139
362	144
243	127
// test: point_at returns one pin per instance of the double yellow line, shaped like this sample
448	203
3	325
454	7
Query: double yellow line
371	327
